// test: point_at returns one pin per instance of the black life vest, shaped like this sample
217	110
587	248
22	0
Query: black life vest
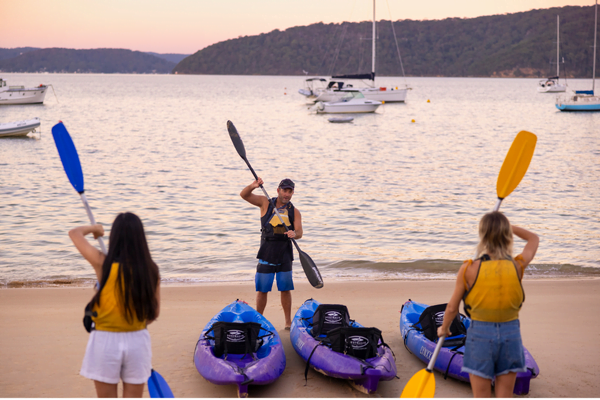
275	246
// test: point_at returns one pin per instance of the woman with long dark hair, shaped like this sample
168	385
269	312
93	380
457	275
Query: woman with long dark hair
492	292
128	299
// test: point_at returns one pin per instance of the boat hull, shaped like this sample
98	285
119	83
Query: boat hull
552	89
354	106
388	95
339	365
19	128
450	361
261	368
578	107
14	96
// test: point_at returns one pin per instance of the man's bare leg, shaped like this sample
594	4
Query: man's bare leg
286	303
261	301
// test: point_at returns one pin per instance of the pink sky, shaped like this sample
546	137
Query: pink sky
186	26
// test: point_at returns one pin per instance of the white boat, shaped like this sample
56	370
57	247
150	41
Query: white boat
19	128
552	85
353	102
312	87
388	94
10	95
583	100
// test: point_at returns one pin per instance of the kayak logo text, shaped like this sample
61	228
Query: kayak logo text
358	342
333	317
426	353
235	335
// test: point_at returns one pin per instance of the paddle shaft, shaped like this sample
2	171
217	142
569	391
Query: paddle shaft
434	357
88	210
272	202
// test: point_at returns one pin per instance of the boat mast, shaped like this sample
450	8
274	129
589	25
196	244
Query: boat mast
374	33
595	35
557	42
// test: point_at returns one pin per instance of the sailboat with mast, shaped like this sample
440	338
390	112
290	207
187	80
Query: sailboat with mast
552	85
583	100
336	90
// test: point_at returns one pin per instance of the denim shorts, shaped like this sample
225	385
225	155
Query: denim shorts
494	348
264	282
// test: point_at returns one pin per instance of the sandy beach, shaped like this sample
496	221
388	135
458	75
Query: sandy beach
43	340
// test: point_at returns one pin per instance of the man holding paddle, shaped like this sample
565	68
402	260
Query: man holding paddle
275	255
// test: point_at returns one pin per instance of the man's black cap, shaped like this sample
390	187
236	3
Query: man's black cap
287	184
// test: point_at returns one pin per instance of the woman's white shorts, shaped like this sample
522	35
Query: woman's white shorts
112	356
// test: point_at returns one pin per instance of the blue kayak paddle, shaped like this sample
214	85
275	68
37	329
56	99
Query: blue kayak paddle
157	386
70	161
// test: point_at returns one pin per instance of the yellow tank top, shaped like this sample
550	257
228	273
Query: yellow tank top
497	294
111	314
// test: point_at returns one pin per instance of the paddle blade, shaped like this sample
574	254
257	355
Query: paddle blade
311	270
158	387
236	139
68	156
516	163
421	385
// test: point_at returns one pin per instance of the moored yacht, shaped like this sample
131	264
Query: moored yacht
372	92
583	100
552	84
21	95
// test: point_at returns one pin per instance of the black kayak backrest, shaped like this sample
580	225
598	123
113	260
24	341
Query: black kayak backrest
328	317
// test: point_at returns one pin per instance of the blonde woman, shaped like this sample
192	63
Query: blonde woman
492	293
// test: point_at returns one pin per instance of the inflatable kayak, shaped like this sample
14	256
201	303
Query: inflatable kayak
450	359
239	346
338	347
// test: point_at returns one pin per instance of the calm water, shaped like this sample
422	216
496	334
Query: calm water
381	198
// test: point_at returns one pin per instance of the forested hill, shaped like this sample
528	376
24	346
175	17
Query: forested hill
86	61
519	45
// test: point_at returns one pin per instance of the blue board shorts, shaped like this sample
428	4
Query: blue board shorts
494	348
264	280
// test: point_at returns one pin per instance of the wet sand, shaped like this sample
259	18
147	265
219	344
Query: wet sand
42	339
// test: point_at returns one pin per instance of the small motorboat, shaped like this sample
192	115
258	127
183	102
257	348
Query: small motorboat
239	347
19	128
353	102
10	95
312	88
340	120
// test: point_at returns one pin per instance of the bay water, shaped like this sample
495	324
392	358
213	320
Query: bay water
381	198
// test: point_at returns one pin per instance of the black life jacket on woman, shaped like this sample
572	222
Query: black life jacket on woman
275	246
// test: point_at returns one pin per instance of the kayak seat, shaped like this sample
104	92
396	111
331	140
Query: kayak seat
432	318
239	338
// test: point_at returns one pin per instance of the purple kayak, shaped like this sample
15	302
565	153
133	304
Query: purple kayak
450	359
260	363
364	375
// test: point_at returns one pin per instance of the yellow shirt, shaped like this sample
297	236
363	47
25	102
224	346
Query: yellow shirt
111	314
497	294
